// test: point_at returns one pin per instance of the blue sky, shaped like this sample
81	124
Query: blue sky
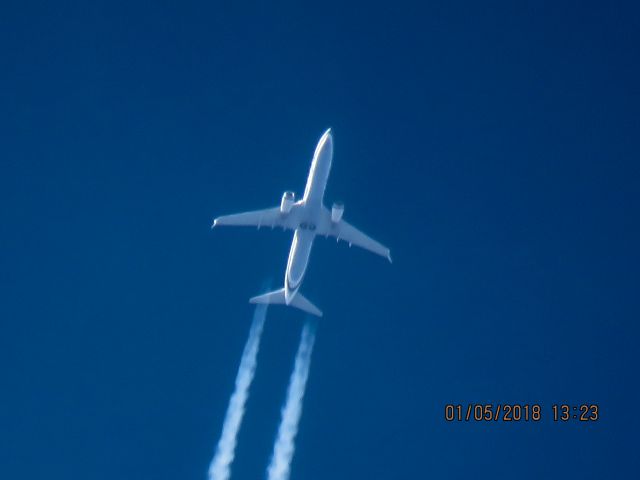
493	147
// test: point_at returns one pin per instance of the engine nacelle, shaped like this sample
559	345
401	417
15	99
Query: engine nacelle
336	212
288	199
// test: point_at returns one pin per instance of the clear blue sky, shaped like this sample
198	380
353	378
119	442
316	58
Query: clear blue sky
494	146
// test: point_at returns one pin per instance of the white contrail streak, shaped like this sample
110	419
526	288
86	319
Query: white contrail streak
220	467
284	446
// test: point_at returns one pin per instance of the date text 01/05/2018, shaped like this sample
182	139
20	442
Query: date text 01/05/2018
514	412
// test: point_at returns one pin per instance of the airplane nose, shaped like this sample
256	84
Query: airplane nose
327	140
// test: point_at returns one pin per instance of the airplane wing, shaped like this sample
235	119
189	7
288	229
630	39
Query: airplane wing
350	234
269	217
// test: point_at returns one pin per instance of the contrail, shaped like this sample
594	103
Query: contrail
283	449
220	467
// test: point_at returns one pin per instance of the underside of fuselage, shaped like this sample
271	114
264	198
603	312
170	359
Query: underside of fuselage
298	261
308	210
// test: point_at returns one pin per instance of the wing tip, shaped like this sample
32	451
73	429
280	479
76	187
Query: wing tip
313	311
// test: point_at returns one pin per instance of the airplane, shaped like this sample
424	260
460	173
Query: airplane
307	218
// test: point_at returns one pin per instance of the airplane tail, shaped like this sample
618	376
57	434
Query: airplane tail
277	297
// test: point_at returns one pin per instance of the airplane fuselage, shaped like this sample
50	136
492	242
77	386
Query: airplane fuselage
308	210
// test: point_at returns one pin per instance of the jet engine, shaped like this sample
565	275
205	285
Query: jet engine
288	199
336	212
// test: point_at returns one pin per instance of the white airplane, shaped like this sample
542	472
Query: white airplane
307	218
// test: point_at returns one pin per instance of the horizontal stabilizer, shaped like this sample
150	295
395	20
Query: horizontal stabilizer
298	301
